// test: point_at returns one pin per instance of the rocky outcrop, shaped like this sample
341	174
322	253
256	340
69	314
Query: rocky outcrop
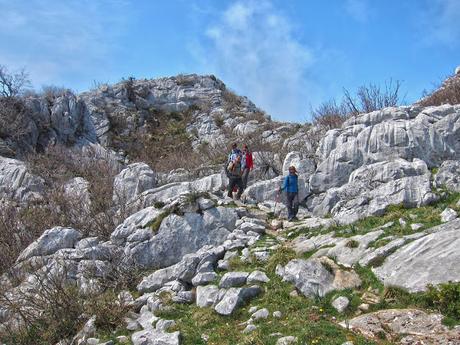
371	188
406	326
432	259
379	158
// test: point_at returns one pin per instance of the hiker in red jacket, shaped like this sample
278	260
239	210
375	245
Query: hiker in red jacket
246	164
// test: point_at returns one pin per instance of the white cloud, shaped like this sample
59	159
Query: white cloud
254	49
357	9
441	22
59	40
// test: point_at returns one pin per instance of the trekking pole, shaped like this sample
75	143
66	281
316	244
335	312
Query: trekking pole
277	199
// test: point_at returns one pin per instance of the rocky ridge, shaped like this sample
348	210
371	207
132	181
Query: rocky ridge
200	252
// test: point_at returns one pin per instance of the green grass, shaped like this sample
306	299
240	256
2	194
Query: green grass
428	216
307	319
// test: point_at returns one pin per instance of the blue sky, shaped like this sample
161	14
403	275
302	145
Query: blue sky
286	56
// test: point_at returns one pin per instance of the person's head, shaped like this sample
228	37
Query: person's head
245	148
234	146
292	170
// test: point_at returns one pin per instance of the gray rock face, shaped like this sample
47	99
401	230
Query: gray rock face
371	188
432	259
406	326
235	297
50	242
448	175
132	181
17	183
361	167
317	277
181	235
304	166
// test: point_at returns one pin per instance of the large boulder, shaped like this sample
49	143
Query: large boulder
17	183
181	235
316	277
432	259
132	181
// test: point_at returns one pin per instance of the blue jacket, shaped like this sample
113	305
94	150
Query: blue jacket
290	184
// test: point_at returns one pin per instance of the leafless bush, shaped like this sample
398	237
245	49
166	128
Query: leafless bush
373	97
368	98
448	93
330	115
51	92
14	120
56	309
19	225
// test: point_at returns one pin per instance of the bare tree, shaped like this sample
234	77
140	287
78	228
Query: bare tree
12	84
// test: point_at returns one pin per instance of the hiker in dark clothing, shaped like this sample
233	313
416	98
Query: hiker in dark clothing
247	164
291	187
234	176
231	157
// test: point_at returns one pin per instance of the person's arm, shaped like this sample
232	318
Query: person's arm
285	183
251	162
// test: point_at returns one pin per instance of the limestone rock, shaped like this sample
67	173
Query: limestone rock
50	242
234	298
233	279
407	326
152	337
286	340
448	214
257	277
316	277
340	303
432	259
132	181
448	175
304	166
207	296
17	183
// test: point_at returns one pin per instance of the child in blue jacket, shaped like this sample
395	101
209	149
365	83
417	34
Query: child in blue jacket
291	187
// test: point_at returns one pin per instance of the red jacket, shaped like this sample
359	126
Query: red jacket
248	162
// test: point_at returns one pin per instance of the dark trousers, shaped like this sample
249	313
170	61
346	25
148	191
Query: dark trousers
245	177
235	181
292	204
